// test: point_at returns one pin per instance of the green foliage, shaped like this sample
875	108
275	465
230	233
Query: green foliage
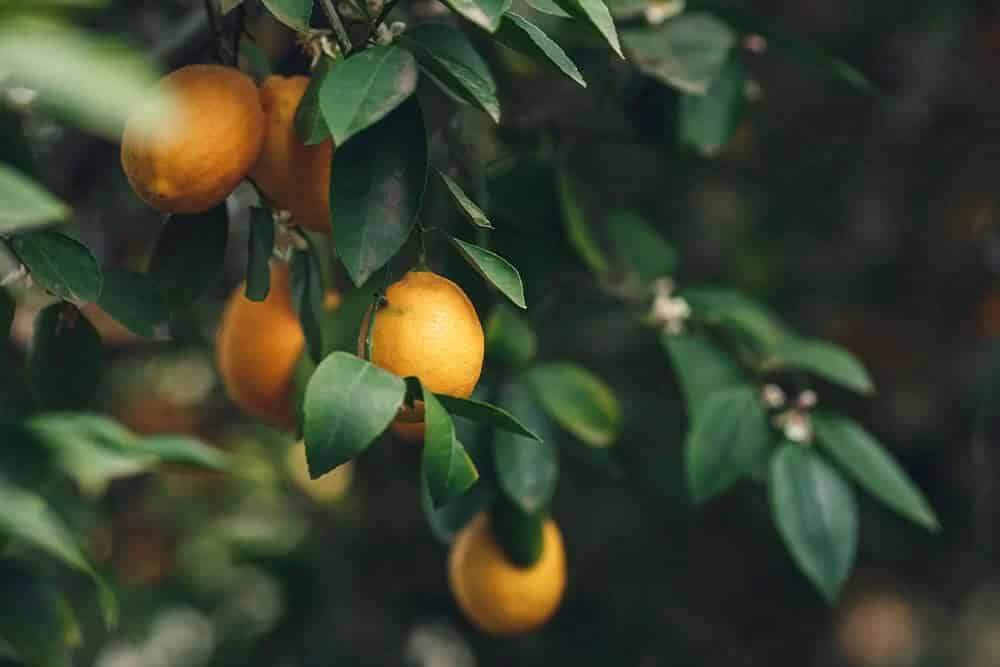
446	465
66	358
41	628
473	213
579	401
484	13
134	300
527	469
577	226
188	256
24	203
597	14
293	13
486	414
509	339
494	268
523	36
707	122
309	122
307	297
827	360
261	247
702	367
642	250
60	264
519	533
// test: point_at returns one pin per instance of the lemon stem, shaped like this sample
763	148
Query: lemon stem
518	533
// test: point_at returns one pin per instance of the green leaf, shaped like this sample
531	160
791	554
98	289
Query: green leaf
293	13
494	268
579	401
816	515
729	438
686	52
28	518
309	123
91	81
342	324
454	64
361	90
508	337
376	190
189	255
735	312
307	297
828	361
577	228
526	38
486	414
597	14
41	626
261	247
60	264
527	469
256	60
702	367
446	521
861	455
182	449
707	122
349	402
473	213
134	301
66	359
640	246
484	13
24	203
520	534
446	465
548	7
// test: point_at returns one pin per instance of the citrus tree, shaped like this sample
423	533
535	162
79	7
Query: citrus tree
403	156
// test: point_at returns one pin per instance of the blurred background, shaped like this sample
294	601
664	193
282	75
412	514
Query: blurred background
868	219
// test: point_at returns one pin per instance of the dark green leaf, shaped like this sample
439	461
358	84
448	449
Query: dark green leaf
7	308
189	256
349	402
66	359
261	247
709	121
453	63
816	515
473	213
508	337
293	13
309	123
527	469
526	38
519	534
497	270
729	438
686	52
342	324
577	227
60	264
858	452
579	401
736	312
307	297
134	301
446	465
597	14
362	90
828	361
376	190
702	368
548	7
640	246
484	13
40	626
485	413
24	203
446	521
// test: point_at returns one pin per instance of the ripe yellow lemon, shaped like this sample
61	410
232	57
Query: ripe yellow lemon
294	176
258	345
192	160
497	596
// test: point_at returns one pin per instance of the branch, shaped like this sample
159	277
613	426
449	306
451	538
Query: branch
343	41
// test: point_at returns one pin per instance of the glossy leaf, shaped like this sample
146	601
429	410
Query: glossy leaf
579	401
41	626
446	465
861	455
686	52
189	256
640	246
827	360
702	367
307	297
469	209
293	13
494	268
24	203
527	469
729	439
66	359
60	264
452	61
309	123
596	13
376	190
484	13
509	338
709	121
134	301
548	7
581	236
523	36
486	414
261	247
816	515
361	90
342	324
349	402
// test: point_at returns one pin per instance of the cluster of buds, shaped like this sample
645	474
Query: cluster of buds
791	419
318	43
385	35
669	312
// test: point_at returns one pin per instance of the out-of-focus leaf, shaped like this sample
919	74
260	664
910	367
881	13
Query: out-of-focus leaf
446	521
134	301
25	204
579	401
508	337
709	121
189	255
548	7
60	264
7	308
293	13
183	449
66	358
484	13
309	122
523	36
40	626
519	533
447	467
702	367
497	270
527	469
736	312
643	250
307	296
577	227
596	13
827	360
261	247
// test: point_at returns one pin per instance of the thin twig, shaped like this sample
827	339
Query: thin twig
343	41
213	23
